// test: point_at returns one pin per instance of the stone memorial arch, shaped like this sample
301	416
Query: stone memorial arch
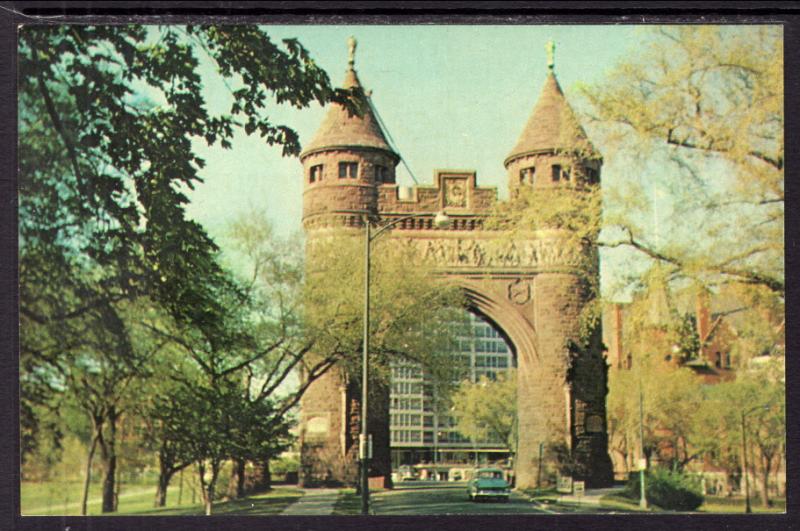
533	288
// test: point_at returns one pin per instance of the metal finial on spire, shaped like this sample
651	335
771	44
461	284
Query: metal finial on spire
551	54
351	51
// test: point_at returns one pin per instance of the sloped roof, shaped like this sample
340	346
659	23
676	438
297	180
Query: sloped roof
553	126
340	129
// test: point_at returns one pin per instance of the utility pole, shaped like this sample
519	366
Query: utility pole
747	508
642	459
363	439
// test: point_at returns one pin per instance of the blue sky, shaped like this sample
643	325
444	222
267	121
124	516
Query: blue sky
450	97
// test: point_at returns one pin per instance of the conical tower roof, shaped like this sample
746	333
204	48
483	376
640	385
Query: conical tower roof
553	126
340	129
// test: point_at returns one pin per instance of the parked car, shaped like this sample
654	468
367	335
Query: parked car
488	483
406	473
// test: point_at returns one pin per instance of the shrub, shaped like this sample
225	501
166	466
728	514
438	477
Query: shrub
284	465
669	490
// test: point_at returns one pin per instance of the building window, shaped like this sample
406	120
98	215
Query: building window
381	174
526	175
556	173
718	362
315	174
728	360
348	169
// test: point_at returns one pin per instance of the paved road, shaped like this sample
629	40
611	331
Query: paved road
443	498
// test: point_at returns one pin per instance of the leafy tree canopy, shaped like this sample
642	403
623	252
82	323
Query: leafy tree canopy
486	410
699	112
414	315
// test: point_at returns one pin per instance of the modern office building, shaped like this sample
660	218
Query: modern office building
422	431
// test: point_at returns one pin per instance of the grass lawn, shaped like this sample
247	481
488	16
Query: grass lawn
713	504
58	498
272	502
618	502
348	503
735	504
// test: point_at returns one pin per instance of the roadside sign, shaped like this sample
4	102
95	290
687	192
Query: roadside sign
579	487
362	446
564	484
643	464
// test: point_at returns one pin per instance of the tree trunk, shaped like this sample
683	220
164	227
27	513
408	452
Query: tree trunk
780	488
212	484
767	464
240	477
180	489
262	480
207	489
201	473
164	476
109	463
118	485
236	483
88	476
266	476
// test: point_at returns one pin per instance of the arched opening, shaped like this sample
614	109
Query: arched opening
425	441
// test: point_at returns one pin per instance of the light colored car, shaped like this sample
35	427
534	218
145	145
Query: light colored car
488	483
406	473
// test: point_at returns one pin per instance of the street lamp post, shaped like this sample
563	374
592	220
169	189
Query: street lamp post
747	508
364	443
435	437
642	458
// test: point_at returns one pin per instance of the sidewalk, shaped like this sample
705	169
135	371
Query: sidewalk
315	502
590	497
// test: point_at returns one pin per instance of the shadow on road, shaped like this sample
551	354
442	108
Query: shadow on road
423	498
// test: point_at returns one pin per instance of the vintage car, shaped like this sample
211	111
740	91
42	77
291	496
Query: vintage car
488	483
406	473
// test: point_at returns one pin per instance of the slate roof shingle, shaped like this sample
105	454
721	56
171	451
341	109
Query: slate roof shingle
340	129
553	126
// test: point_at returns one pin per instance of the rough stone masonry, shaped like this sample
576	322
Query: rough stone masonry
533	288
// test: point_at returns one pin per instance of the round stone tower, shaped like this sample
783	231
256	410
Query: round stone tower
345	162
343	167
565	386
553	149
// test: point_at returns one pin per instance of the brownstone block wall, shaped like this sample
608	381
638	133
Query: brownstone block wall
559	389
331	193
331	457
543	163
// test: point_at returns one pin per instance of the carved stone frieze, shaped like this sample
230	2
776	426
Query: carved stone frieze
466	253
